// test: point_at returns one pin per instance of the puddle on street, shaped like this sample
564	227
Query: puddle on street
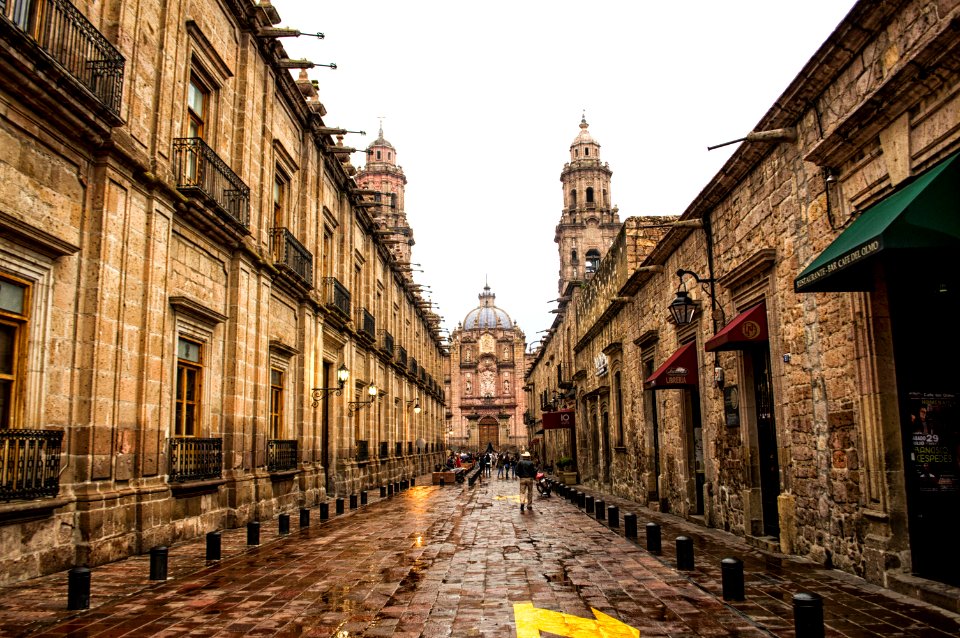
337	599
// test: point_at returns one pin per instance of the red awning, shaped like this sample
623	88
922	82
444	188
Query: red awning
679	371
557	420
749	328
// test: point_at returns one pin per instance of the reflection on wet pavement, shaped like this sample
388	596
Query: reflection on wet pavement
455	561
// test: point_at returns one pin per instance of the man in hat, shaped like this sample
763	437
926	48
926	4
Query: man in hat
526	472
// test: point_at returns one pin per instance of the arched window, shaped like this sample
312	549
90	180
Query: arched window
593	260
378	154
589	194
573	197
586	152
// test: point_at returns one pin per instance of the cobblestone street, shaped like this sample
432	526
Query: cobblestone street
455	561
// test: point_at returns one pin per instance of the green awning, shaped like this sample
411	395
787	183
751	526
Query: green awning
923	214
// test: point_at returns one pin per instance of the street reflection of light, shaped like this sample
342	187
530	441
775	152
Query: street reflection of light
419	541
342	634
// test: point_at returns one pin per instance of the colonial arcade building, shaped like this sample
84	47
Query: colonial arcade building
776	364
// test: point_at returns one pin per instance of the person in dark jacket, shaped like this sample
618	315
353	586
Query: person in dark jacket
526	472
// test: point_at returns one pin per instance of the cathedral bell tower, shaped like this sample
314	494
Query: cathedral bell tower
588	223
385	182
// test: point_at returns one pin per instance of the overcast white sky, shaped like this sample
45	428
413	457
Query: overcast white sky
482	101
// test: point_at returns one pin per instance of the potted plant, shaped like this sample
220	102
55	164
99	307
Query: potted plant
566	471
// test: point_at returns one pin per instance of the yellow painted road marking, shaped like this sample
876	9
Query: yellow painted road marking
531	621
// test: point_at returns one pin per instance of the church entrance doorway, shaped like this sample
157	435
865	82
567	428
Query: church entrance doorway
489	433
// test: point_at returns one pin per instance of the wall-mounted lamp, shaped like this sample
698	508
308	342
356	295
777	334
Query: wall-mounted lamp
416	405
355	406
683	308
318	393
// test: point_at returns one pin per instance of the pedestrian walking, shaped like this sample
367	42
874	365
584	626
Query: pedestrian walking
501	465
526	471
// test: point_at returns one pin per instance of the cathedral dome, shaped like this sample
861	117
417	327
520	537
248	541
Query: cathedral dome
487	315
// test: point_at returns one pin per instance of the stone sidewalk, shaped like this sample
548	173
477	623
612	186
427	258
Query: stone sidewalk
457	561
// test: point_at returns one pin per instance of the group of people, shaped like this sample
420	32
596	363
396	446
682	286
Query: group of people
509	467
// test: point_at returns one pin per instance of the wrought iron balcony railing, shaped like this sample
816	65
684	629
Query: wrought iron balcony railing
281	455
195	459
29	462
290	255
402	356
413	366
368	324
386	344
71	40
201	173
384	449
336	296
363	451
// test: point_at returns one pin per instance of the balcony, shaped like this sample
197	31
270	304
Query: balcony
413	366
402	356
65	34
363	451
281	455
386	343
367	324
202	175
195	459
336	297
291	257
29	461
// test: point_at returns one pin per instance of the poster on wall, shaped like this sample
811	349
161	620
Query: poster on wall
934	441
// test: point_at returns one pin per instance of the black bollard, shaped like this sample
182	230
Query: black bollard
653	538
808	615
613	516
324	511
158	563
684	552
353	501
363	497
339	503
630	525
600	510
78	588
581	500
283	524
213	545
413	482
396	487
404	484
442	482
304	517
588	504
383	491
732	571
253	533
390	488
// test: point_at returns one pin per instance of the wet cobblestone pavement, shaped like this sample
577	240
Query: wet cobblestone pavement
459	561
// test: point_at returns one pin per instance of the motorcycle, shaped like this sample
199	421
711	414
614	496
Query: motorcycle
543	486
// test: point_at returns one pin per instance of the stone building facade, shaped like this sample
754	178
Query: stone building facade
486	398
186	267
802	396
